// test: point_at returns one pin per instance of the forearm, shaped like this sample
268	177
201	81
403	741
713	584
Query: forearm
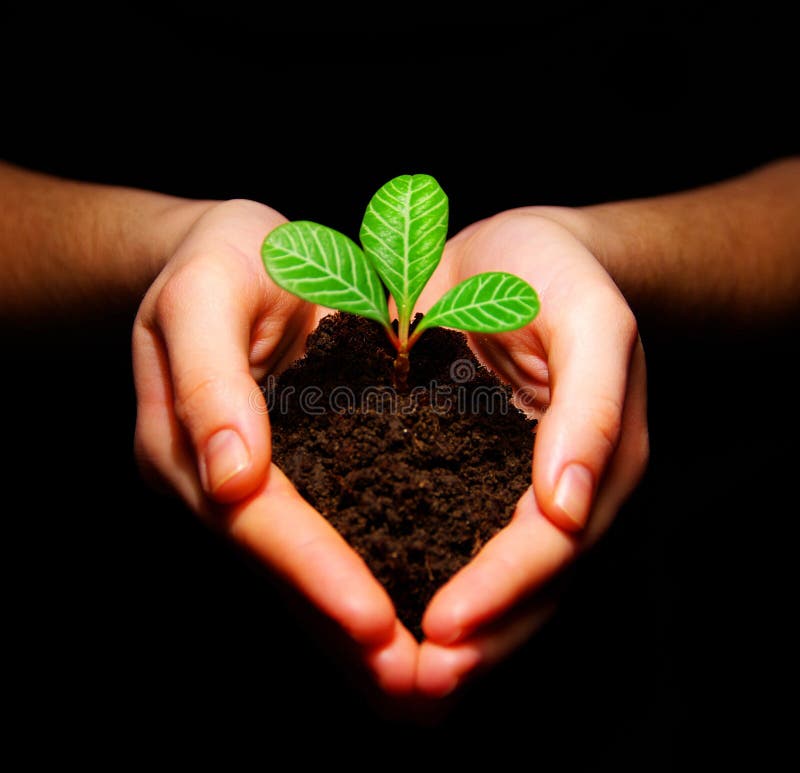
729	250
67	246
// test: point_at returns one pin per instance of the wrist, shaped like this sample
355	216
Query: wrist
69	246
165	227
597	228
622	237
135	234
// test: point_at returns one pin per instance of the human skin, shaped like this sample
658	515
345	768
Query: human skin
724	252
212	323
727	252
67	246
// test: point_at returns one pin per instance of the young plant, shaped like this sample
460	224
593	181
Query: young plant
403	236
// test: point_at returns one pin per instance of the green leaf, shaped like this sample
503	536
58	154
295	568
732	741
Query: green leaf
403	235
493	302
323	266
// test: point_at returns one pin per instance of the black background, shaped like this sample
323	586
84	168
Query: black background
130	631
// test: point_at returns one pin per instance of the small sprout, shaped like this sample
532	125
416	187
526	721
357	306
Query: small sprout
403	236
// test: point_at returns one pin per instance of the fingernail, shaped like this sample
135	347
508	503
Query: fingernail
226	456
574	494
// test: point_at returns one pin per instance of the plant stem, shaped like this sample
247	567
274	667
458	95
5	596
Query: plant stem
401	366
401	363
393	338
414	338
402	328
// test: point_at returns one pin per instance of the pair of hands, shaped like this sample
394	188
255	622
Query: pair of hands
213	323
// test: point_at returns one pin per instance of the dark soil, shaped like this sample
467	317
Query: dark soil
416	482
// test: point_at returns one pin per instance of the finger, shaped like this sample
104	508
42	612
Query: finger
206	325
281	529
521	558
394	664
441	669
630	461
160	445
531	549
588	357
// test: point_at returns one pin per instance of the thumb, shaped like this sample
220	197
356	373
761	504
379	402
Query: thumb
206	332
589	360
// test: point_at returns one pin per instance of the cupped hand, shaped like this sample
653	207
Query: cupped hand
579	366
211	325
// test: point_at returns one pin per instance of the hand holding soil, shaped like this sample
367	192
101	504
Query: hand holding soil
213	323
210	326
580	367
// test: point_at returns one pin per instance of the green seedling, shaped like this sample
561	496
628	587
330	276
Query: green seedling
403	236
